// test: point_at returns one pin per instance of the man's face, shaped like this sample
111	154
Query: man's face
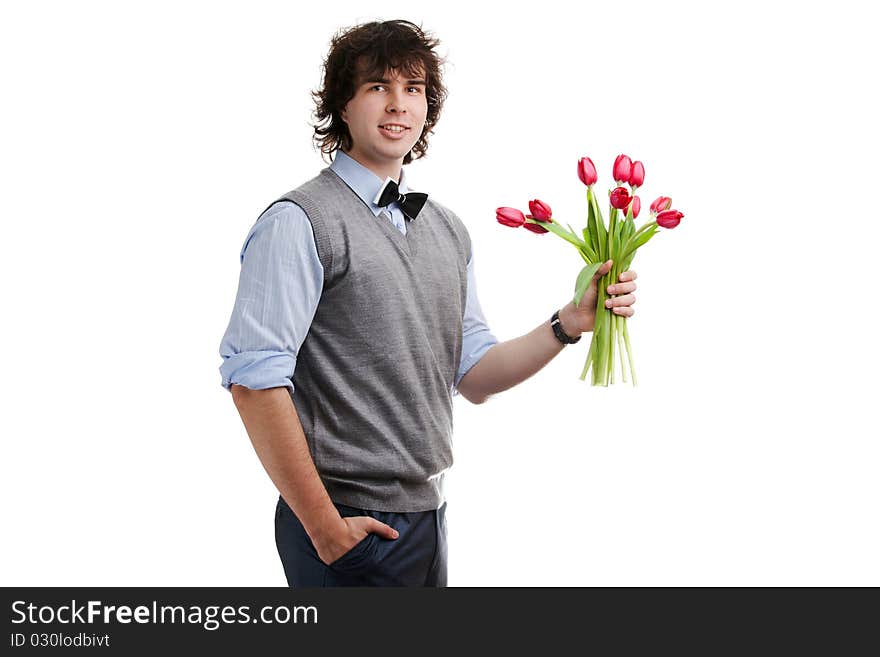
395	99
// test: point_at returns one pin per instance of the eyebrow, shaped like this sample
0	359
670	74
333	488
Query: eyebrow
386	81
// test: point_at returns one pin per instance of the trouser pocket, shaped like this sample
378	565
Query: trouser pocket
360	557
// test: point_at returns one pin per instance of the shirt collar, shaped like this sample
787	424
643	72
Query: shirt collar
362	181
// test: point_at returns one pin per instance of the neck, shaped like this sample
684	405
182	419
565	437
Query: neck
381	169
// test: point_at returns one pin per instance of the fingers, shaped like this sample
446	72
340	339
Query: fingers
380	528
618	302
625	277
622	288
622	305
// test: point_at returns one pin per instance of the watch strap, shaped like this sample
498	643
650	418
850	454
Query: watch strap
561	335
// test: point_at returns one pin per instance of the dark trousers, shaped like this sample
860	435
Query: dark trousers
417	557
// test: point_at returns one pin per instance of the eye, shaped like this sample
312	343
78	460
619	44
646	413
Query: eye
377	86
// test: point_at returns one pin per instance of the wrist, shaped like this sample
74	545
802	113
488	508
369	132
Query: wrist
568	323
327	528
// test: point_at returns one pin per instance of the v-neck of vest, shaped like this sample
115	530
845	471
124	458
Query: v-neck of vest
405	243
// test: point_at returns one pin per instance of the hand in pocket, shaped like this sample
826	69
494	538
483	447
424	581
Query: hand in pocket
353	532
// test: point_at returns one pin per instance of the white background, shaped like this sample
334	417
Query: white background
140	142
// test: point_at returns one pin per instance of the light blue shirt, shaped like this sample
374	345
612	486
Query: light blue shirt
280	286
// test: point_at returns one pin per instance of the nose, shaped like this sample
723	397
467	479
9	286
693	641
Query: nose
396	102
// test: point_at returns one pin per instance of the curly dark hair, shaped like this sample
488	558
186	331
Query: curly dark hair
368	51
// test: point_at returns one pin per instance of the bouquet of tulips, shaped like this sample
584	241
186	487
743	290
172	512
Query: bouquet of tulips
598	242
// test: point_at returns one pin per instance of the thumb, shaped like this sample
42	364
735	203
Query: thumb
604	269
383	530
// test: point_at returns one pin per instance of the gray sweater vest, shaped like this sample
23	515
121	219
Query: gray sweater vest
374	377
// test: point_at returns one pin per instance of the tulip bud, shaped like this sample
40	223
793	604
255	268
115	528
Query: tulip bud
637	174
619	198
535	228
660	204
669	218
540	210
587	171
510	217
636	206
622	167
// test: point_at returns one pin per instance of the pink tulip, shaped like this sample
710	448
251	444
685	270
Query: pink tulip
637	174
669	218
622	168
660	204
619	198
510	217
636	206
535	228
587	171
540	210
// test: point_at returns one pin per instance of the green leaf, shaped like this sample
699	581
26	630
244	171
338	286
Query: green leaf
613	230
583	281
591	230
630	228
588	249
626	229
587	254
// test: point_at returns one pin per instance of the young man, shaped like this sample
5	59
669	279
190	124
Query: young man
357	321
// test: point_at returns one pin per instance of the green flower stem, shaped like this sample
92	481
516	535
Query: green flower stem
621	321
604	332
588	361
632	369
639	232
608	353
612	348
619	334
615	254
610	250
574	238
614	325
607	330
600	252
598	360
596	347
635	236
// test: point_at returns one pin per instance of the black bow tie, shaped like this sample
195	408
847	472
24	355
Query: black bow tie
411	203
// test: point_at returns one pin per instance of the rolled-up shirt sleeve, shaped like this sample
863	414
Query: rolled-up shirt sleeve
278	292
477	338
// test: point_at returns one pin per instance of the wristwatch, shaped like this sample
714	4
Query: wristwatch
559	333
